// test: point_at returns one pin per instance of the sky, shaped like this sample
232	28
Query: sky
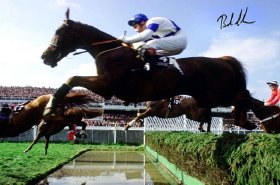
26	29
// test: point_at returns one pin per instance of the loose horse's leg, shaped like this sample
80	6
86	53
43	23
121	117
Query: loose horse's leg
38	136
96	84
139	116
33	143
83	131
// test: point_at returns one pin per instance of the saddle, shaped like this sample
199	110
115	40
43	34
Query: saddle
17	109
157	61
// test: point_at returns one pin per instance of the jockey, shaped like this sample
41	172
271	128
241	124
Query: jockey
275	94
162	37
6	113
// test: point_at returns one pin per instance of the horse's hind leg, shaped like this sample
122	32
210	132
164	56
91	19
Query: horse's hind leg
145	114
240	112
200	127
47	139
209	126
83	131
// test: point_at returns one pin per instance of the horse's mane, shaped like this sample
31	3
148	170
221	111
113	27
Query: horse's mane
89	30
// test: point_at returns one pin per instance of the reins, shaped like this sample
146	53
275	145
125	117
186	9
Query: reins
104	42
95	44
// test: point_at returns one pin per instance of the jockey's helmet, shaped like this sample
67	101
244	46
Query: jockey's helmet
138	18
273	82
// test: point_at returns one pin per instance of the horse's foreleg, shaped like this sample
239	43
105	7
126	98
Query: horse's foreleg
96	84
38	136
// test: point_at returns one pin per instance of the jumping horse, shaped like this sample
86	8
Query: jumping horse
32	113
187	106
212	82
269	115
72	116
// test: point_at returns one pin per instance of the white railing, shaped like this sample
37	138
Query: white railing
181	124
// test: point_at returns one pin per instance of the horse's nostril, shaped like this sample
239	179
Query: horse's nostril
43	56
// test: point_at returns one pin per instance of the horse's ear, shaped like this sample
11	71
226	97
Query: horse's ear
67	14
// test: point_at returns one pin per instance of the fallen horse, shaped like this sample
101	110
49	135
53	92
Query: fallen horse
72	116
31	113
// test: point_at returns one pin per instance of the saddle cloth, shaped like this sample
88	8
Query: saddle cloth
166	61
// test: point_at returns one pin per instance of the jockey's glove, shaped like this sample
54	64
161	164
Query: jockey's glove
122	38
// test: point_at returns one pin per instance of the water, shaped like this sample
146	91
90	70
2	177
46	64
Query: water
110	167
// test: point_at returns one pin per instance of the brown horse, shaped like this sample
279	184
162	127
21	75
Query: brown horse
187	106
269	115
72	116
212	82
32	113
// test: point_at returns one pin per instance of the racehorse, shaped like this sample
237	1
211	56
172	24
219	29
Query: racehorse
32	113
187	106
72	116
212	82
269	115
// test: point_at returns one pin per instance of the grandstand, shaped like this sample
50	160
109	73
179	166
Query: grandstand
115	112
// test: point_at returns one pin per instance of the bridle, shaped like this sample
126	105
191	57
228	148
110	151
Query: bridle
62	52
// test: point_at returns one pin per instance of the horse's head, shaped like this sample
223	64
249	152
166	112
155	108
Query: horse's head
63	42
75	35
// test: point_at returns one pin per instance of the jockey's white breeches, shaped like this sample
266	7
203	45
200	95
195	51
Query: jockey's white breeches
168	46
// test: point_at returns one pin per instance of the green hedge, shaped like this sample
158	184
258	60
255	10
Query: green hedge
252	159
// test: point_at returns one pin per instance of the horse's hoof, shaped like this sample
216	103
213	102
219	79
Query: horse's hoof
201	129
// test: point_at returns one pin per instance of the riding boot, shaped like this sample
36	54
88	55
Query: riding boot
151	61
171	103
52	109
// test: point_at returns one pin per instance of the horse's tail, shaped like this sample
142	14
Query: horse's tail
78	99
240	72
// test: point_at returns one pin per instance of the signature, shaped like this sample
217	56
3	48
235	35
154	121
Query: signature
225	22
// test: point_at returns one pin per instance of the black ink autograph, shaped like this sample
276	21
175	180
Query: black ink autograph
224	22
